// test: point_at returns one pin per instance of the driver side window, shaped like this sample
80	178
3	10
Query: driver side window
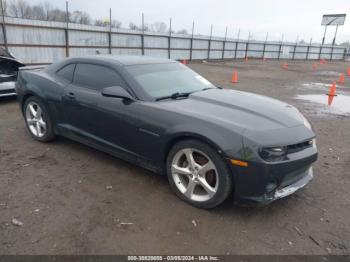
96	77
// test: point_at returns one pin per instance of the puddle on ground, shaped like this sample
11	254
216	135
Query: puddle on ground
314	85
320	86
327	73
340	105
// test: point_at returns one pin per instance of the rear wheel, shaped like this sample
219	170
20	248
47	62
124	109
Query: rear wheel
38	120
197	174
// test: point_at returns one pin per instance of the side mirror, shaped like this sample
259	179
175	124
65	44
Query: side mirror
118	92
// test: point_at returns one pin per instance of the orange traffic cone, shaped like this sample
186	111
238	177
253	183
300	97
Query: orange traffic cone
184	61
341	79
234	78
348	73
285	66
323	61
331	93
314	66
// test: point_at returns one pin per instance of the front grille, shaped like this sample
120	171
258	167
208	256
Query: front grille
299	147
294	176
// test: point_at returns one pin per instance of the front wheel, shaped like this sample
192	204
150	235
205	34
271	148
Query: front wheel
197	174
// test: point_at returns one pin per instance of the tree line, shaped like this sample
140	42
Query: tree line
46	11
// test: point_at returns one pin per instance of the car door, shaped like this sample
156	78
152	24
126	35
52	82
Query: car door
108	121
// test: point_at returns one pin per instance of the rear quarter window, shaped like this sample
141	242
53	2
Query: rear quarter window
66	72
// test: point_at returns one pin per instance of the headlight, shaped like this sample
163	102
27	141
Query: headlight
273	153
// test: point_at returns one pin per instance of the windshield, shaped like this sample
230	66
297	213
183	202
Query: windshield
160	80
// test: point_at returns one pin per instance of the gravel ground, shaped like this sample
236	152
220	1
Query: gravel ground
73	199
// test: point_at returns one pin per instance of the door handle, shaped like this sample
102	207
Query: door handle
71	95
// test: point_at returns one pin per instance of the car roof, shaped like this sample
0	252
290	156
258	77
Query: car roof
124	60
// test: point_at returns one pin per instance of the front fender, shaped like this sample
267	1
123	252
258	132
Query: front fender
226	142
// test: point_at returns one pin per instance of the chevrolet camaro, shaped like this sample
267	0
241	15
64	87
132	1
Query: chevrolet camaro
209	141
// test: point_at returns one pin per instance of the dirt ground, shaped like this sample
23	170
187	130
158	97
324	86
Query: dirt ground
75	200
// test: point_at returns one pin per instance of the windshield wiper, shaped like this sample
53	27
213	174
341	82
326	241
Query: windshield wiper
174	96
183	94
207	88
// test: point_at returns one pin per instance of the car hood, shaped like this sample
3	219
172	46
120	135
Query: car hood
238	109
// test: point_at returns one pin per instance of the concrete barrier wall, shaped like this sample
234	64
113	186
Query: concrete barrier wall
36	42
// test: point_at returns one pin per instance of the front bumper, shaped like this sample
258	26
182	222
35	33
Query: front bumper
262	183
7	89
288	190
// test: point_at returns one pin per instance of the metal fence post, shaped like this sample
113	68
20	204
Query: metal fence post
236	48
110	32
3	26
169	39
295	47
143	35
264	49
320	52
280	48
247	47
66	33
332	49
224	45
209	45
346	50
308	49
321	47
191	46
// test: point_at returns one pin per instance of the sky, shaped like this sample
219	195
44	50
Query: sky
294	19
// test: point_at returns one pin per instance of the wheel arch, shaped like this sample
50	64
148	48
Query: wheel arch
188	136
29	94
24	99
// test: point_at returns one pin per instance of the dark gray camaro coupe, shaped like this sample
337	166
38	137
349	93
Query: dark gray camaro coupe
161	115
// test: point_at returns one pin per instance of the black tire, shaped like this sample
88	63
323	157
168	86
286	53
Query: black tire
49	133
225	181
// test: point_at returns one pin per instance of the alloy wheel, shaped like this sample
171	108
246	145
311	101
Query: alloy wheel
35	119
194	174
